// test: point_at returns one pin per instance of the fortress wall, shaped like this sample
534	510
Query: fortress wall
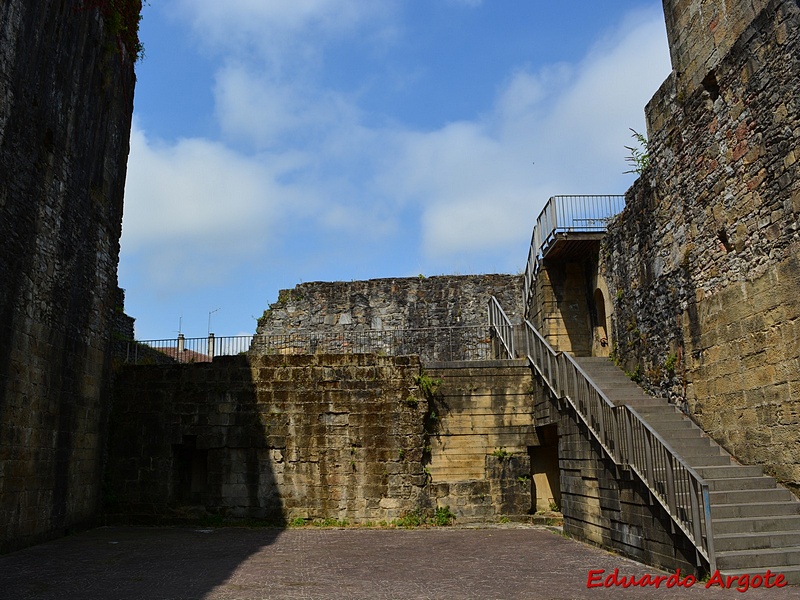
388	304
345	437
701	33
703	265
66	98
275	438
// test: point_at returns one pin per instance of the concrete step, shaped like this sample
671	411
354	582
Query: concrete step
707	461
742	484
696	442
752	541
759	558
680	433
730	471
791	574
754	509
742	496
756	524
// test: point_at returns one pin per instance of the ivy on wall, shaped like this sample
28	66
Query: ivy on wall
122	18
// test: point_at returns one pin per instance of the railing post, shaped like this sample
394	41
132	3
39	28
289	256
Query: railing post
211	345
712	557
670	485
648	458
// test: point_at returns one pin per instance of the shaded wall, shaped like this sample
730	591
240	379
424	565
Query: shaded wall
346	437
702	266
563	309
274	437
66	98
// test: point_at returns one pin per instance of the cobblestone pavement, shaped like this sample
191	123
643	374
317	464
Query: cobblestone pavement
245	564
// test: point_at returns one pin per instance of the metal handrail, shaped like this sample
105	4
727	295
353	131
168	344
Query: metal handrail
501	325
434	343
563	214
628	440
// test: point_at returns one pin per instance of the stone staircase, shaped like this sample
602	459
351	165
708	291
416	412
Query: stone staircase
756	523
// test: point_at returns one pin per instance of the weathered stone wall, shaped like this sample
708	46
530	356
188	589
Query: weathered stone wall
479	461
274	437
66	99
346	437
379	307
562	305
601	503
703	263
701	32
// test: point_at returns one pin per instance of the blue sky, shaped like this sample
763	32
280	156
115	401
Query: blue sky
285	141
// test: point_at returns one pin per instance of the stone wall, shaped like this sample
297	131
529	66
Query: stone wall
345	437
601	503
66	99
378	308
275	438
479	460
702	265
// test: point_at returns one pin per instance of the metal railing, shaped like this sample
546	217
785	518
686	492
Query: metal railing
564	214
432	343
627	439
501	326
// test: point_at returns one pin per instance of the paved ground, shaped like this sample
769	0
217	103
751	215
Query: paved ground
244	564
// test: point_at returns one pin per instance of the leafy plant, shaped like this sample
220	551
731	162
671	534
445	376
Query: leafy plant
636	374
412	518
671	363
639	158
330	522
443	516
427	385
501	453
122	19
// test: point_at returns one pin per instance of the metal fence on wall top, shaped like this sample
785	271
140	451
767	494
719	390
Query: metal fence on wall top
433	343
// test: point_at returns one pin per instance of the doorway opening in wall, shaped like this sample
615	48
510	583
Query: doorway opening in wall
545	474
600	343
190	471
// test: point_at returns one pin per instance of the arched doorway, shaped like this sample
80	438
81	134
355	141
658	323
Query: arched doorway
601	344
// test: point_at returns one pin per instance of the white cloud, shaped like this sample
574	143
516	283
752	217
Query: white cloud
263	112
194	206
475	181
282	31
308	167
199	187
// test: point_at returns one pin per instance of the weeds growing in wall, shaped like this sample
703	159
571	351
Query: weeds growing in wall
122	18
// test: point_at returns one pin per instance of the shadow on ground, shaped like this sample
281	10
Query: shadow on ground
131	563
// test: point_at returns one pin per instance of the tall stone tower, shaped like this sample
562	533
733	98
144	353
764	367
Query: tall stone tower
66	99
704	263
702	32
